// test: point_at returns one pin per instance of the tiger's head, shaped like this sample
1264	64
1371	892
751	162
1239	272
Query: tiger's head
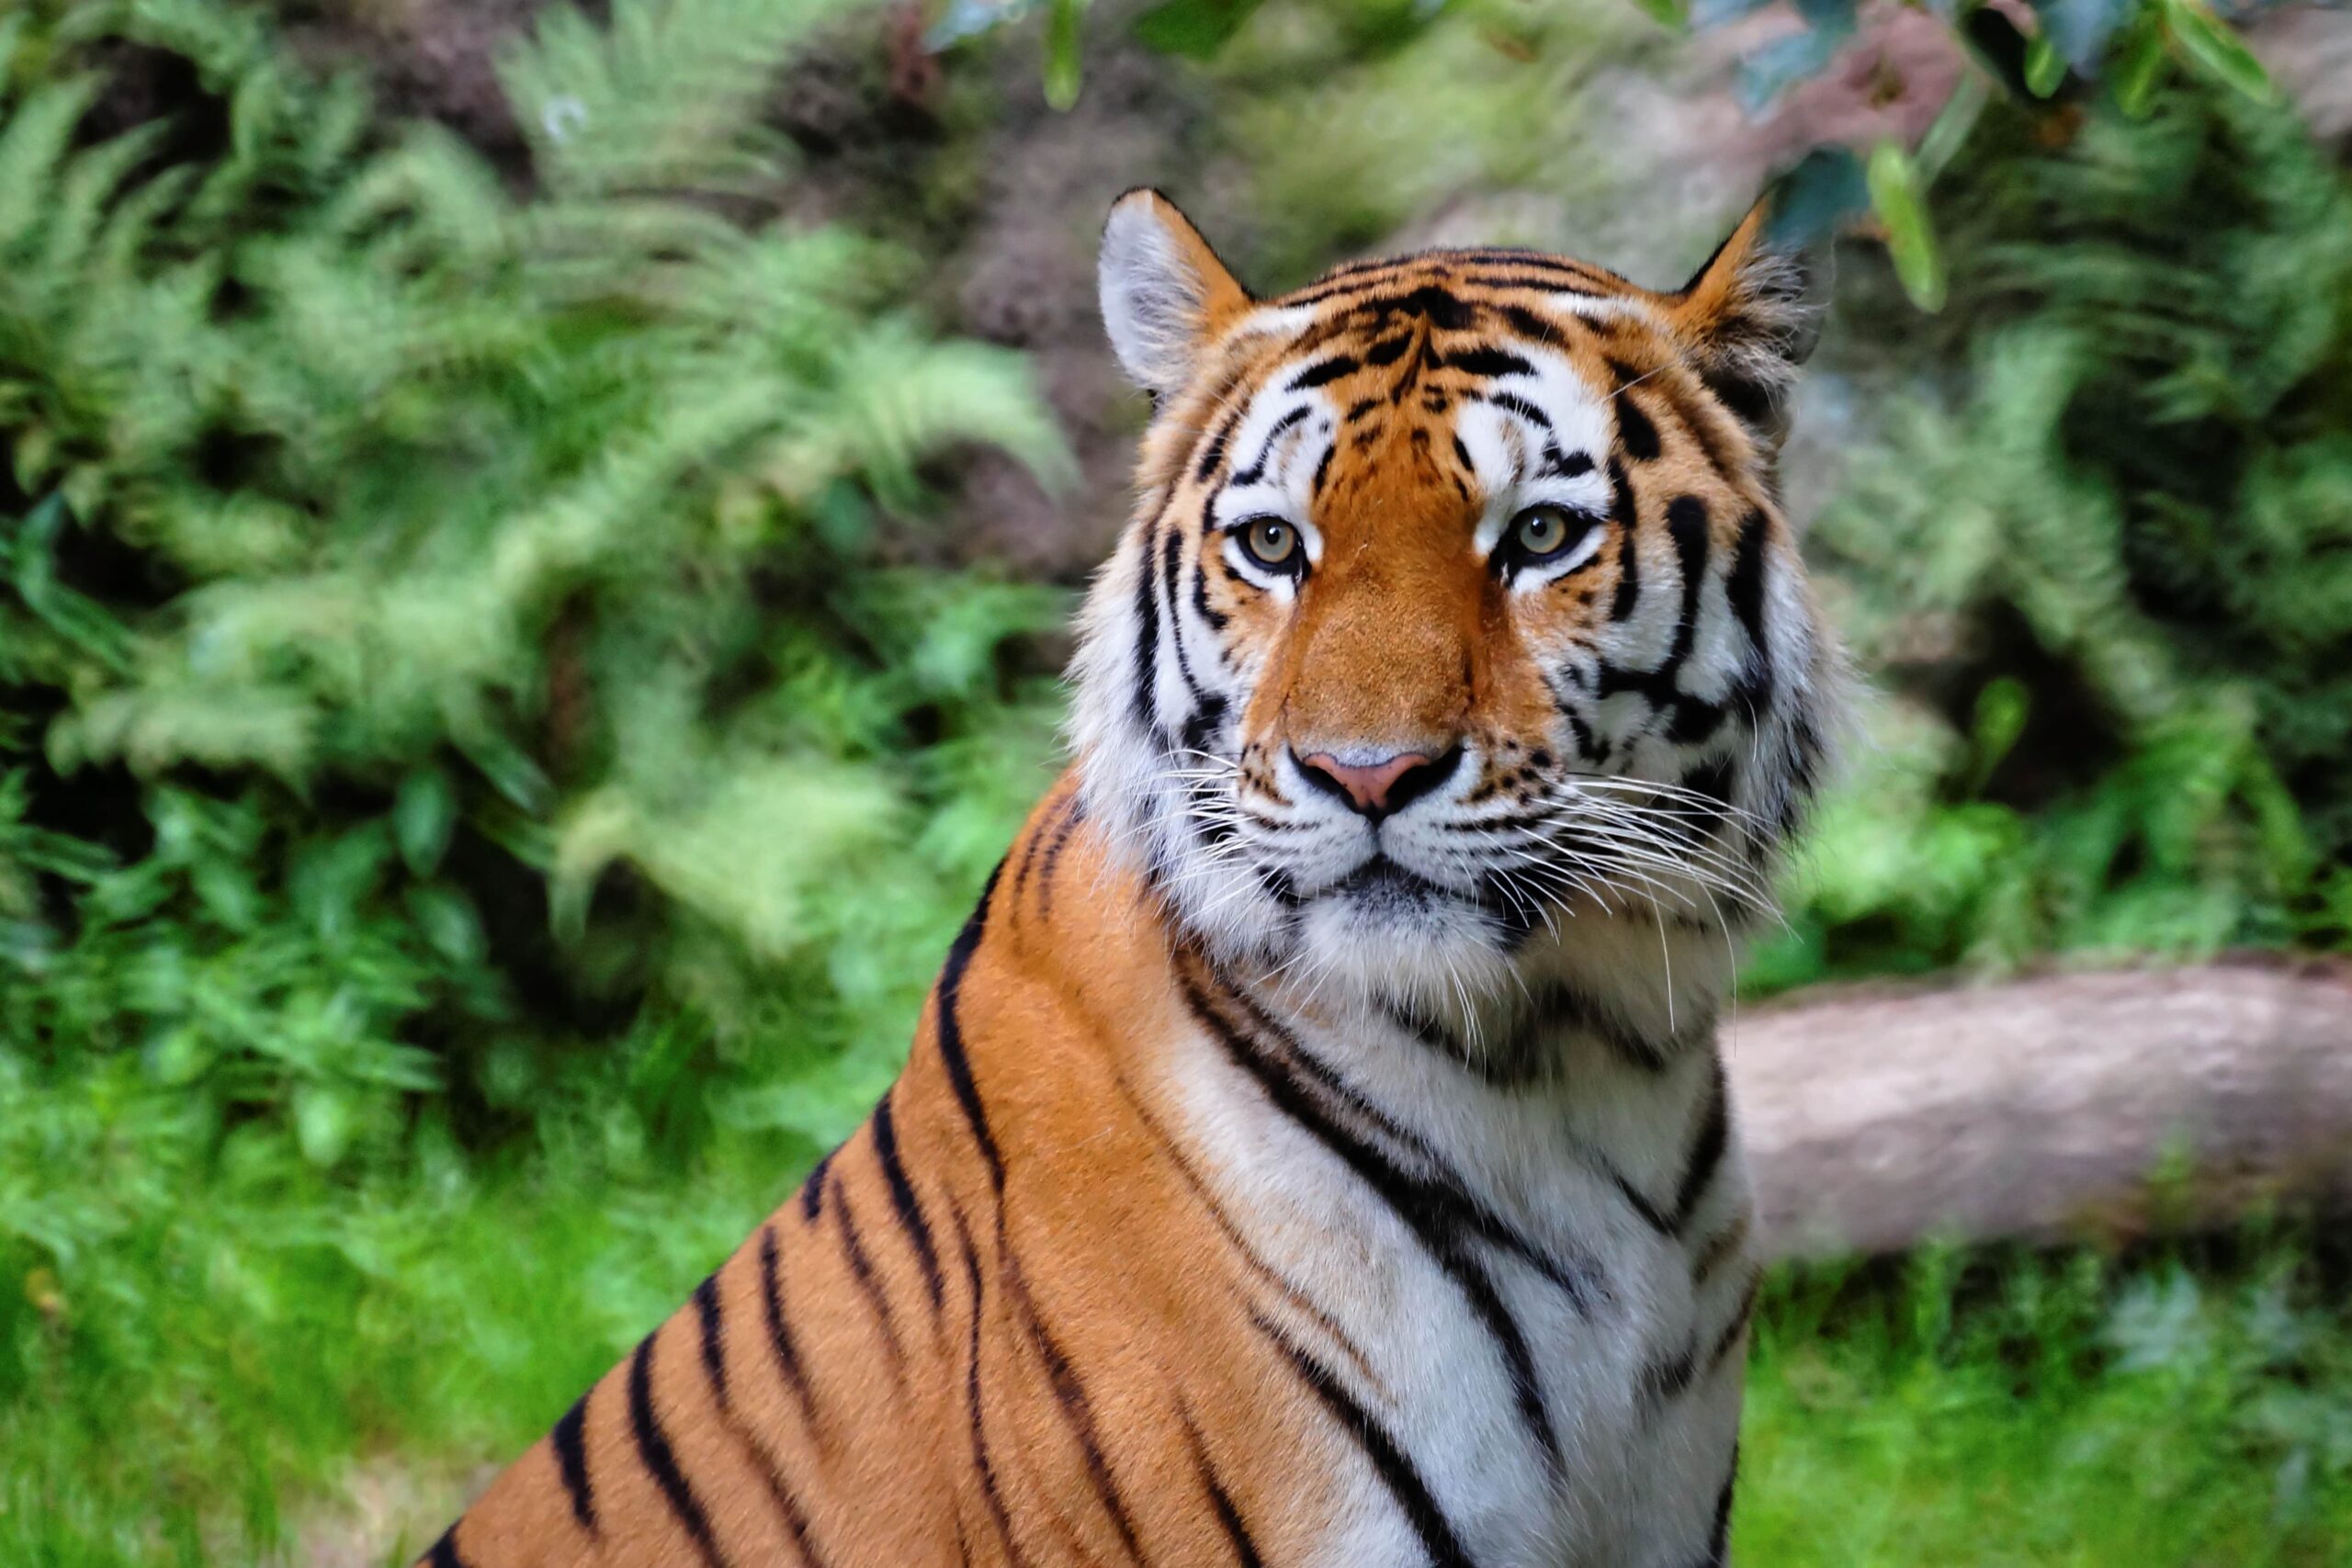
1458	633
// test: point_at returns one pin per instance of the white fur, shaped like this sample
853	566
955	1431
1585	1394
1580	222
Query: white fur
1651	954
1151	297
1639	1481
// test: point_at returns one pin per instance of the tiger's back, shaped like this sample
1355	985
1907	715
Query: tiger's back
1314	1148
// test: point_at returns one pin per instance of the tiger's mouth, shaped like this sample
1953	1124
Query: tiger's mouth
1381	883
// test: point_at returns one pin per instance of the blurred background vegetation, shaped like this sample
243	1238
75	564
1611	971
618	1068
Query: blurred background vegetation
532	555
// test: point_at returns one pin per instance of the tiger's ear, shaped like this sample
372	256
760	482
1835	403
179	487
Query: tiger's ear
1751	316
1165	294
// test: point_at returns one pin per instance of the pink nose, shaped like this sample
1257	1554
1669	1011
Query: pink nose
1368	785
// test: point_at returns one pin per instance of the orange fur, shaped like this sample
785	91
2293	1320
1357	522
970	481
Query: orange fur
1010	1321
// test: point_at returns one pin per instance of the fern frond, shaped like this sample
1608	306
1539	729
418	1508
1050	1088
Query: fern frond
666	99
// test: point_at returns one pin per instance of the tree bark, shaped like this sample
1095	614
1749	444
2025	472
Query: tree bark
2050	1107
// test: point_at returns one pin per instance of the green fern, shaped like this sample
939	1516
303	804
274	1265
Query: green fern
350	480
2134	528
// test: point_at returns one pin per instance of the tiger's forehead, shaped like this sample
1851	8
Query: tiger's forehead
1466	369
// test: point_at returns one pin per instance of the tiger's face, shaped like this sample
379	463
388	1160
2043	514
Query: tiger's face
1457	609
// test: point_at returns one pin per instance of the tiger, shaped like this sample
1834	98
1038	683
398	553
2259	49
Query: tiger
1316	1149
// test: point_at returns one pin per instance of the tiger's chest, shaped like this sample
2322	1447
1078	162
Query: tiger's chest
1531	1300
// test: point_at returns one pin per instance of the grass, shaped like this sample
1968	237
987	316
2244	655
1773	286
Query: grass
214	1353
221	1358
2186	1409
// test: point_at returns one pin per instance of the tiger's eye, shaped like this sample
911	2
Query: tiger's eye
1271	543
1540	530
1540	533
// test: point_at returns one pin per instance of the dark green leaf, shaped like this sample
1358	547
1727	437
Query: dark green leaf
1063	64
2045	68
1195	29
2141	69
2217	49
422	813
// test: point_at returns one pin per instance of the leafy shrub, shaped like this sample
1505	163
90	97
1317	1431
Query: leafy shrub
2109	586
435	619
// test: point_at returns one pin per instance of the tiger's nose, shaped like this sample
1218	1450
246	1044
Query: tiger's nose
1376	789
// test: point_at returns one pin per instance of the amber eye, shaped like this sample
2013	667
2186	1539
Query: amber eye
1272	543
1543	533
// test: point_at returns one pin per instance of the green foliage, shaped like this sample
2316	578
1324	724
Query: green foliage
263	1327
1309	98
456	652
428	613
2109	588
2004	1408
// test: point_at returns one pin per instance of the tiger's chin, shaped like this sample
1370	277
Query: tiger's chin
1385	936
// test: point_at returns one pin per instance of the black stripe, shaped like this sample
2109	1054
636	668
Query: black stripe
903	1202
1635	431
1488	361
1751	401
1624	511
950	1030
1733	1329
570	1443
653	1449
1386	352
1237	1533
1719	1538
445	1550
981	1460
1692	721
1213	452
1070	1395
1389	1462
1324	371
1514	403
1213	616
1257	470
713	1337
1717	1250
1664	1380
795	1518
1712	782
1146	660
1706	1150
861	1268
1700	421
1172	559
714	1367
1443	1217
1630	1045
787	1354
1652	1215
1529	324
1071	816
1686	525
1443	308
1743	590
1523	279
812	1190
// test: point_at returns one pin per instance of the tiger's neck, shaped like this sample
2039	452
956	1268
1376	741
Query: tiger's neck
1515	1236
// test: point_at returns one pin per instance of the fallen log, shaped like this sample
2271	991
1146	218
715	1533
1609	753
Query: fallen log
2051	1107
